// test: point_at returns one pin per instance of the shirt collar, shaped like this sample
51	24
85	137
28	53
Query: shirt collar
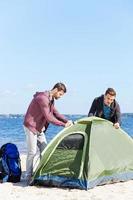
50	97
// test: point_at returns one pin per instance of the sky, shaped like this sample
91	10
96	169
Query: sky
87	45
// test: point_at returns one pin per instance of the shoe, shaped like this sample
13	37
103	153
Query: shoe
28	180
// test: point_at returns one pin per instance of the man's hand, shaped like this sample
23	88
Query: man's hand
69	123
117	125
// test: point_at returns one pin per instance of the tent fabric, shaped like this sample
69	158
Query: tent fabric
89	153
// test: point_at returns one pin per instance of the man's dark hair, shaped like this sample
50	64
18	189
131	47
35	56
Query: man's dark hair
110	91
60	86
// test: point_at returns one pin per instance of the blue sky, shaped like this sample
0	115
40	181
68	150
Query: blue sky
88	45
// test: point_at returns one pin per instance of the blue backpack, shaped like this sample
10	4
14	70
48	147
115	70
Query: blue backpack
10	166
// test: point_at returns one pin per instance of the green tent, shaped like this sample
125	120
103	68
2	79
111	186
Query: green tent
89	153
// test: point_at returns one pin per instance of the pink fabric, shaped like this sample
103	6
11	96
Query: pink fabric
41	112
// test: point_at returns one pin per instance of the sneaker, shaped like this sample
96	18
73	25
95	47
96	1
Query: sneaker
28	180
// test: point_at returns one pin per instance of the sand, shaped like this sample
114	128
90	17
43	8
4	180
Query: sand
19	191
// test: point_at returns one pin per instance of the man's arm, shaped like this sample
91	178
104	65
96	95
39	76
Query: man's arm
59	116
92	109
118	117
45	108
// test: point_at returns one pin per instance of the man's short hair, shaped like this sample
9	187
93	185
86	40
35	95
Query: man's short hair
110	91
60	86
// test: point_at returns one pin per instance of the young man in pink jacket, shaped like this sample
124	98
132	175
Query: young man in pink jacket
40	113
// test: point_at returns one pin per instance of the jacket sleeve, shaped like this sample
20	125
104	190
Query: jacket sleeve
118	114
45	108
92	109
59	116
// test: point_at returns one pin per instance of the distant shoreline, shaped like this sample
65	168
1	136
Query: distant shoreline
126	113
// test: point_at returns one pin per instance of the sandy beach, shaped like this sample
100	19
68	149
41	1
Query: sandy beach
19	191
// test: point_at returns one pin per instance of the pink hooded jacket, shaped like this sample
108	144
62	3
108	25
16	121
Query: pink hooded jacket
41	112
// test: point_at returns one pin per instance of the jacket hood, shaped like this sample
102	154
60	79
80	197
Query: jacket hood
46	93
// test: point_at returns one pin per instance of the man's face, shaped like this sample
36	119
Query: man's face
58	94
108	99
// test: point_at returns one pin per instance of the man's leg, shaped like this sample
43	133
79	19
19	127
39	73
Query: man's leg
41	142
31	139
